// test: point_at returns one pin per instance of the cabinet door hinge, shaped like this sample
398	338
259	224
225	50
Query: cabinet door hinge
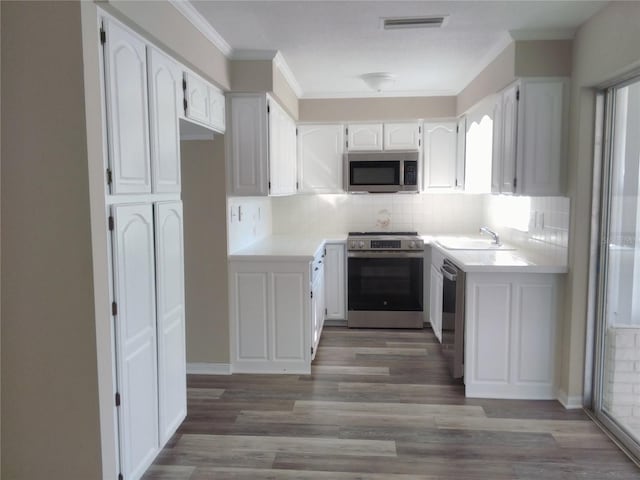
120	477
515	183
347	143
296	131
326	311
419	142
297	186
184	84
518	95
325	253
109	176
457	129
311	294
311	350
103	36
114	308
117	399
268	108
346	131
111	223
269	185
185	105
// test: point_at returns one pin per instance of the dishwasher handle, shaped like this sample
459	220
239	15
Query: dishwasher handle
449	272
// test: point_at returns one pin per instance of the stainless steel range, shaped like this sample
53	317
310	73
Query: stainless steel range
385	279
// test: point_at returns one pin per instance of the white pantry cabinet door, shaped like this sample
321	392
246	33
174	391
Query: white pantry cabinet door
135	328
461	133
165	103
127	110
217	109
364	136
335	289
320	151
402	136
172	373
440	141
198	107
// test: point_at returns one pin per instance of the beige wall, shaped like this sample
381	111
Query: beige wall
205	245
497	75
366	109
603	49
251	75
163	24
50	426
284	93
543	58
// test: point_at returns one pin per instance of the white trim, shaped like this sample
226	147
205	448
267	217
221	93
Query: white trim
253	54
568	402
208	369
197	20
282	65
197	136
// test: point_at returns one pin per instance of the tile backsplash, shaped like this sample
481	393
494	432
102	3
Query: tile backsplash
536	223
249	219
341	213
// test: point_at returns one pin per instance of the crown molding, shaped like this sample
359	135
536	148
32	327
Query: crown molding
282	65
195	17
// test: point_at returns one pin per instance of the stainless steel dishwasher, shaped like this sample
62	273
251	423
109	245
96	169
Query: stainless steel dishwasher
453	292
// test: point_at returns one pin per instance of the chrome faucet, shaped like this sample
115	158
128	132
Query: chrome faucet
488	231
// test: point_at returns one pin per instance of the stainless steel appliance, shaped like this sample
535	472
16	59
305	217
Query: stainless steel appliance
381	172
385	279
453	291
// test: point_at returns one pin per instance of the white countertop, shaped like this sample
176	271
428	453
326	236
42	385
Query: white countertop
512	260
285	247
277	248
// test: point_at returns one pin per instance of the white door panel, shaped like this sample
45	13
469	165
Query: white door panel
134	291
127	110
171	317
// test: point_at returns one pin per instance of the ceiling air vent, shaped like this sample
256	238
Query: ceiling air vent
434	21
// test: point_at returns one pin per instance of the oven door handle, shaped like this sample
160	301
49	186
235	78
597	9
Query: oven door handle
449	272
374	254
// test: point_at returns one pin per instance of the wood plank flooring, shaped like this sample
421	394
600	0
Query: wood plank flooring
379	405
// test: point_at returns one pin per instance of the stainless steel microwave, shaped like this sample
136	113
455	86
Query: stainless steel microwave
381	172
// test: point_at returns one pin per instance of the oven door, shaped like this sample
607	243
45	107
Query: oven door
385	289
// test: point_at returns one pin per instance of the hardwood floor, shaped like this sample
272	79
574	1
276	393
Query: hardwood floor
379	404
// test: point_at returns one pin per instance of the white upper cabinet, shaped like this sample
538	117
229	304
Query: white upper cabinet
320	150
402	136
204	103
461	145
529	139
261	146
165	102
440	141
217	109
364	137
127	110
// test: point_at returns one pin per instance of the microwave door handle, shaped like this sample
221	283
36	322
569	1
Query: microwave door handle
401	167
449	273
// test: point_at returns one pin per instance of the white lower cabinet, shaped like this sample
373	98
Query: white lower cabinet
510	335
335	281
435	302
271	316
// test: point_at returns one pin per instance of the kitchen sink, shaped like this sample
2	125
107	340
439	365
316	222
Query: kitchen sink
470	243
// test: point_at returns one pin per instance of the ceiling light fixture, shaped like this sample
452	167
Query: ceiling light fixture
433	21
378	81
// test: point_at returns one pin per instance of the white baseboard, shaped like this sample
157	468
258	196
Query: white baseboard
568	402
208	369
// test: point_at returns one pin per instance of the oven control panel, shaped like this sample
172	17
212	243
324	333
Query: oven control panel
386	244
